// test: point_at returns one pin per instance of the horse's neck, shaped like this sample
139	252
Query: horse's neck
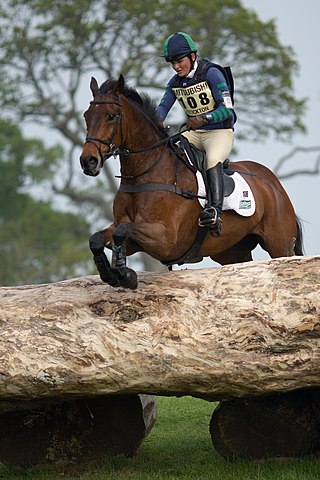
156	165
140	135
140	131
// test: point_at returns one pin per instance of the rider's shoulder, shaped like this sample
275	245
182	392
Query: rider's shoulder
211	68
173	80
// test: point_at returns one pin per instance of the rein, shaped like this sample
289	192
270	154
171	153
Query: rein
155	145
115	150
120	150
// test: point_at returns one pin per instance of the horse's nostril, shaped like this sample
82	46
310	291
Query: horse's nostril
91	162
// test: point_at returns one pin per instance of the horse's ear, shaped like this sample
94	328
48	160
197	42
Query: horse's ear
119	87
94	87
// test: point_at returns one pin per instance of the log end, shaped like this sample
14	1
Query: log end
284	425
79	431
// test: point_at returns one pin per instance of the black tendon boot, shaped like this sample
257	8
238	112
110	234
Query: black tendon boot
210	217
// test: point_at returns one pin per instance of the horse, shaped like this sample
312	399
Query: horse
156	208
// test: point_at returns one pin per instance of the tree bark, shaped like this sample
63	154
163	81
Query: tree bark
233	331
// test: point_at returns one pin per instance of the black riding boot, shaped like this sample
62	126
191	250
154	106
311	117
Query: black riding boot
210	217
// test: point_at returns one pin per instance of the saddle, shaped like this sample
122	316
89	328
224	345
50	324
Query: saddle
195	160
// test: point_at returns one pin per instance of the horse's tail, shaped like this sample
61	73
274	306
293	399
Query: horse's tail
298	247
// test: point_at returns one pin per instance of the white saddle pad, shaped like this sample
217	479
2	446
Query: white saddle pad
241	199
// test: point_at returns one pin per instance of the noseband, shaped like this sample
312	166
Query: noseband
114	150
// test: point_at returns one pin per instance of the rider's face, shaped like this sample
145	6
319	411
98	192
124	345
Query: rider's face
182	66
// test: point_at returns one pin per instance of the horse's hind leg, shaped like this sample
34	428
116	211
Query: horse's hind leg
280	237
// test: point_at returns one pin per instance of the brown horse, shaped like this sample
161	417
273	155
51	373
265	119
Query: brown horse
156	210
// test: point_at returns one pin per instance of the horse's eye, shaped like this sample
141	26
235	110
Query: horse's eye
111	116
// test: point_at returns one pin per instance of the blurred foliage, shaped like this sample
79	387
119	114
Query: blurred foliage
49	45
37	243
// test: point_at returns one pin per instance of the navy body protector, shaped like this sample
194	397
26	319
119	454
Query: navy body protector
199	76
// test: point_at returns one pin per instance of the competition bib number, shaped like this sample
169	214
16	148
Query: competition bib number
196	99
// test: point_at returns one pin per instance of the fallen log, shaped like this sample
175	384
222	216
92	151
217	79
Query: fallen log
234	331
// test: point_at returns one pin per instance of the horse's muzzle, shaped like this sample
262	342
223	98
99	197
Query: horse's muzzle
90	166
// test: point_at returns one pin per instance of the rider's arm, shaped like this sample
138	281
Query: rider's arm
166	102
223	105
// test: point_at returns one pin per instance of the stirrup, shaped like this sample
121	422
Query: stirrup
208	217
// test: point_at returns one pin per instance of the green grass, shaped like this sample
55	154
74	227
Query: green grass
178	447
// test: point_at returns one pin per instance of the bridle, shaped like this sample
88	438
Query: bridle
113	149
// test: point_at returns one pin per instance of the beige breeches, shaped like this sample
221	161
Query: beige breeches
216	143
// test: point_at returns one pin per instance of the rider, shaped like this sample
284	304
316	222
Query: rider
202	91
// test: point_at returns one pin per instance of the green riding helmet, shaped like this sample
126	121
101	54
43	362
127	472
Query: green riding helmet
177	46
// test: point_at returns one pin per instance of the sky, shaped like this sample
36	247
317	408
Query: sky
297	24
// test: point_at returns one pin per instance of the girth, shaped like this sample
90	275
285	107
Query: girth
191	256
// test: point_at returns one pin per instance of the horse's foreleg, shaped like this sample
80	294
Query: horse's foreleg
126	276
97	244
152	237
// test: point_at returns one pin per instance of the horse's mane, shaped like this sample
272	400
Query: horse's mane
143	101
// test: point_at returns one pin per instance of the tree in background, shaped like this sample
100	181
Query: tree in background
50	49
37	243
50	45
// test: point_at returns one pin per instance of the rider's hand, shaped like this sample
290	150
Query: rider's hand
196	122
160	121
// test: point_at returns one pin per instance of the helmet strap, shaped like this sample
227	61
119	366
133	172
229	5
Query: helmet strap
192	62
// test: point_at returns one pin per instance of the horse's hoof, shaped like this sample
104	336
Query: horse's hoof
110	279
129	279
